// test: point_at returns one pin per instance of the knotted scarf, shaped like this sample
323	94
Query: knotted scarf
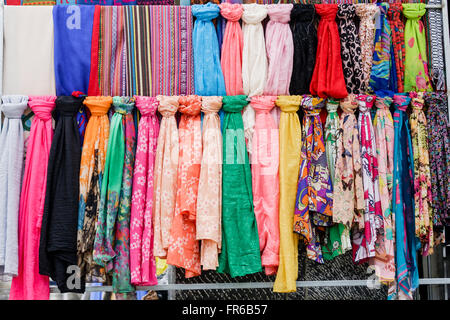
314	202
435	47
407	273
111	245
92	168
416	62
328	77
290	144
29	284
240	243
58	242
364	242
398	41
422	179
165	175
280	49
208	76
350	48
209	201
304	35
142	261
265	181
184	249
11	165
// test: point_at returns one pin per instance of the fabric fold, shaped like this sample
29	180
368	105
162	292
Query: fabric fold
398	41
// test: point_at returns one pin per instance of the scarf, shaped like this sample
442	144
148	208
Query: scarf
436	50
11	164
265	181
290	144
350	48
398	41
304	36
208	76
142	261
416	62
328	77
422	179
92	168
111	245
184	250
240	243
209	201
407	273
279	48
72	41
165	175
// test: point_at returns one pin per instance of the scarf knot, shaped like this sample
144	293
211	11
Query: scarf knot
280	12
349	104
327	11
332	105
146	105
98	105
414	11
190	105
312	105
68	105
254	13
13	106
346	12
231	11
401	101
289	104
394	12
123	105
436	101
168	105
234	103
303	13
42	106
205	12
384	7
383	102
365	102
263	103
417	100
211	104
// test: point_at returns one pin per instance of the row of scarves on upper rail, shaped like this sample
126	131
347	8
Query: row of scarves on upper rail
109	194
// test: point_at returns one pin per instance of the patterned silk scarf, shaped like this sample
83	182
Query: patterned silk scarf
142	261
350	48
407	273
314	202
290	145
364	242
416	62
165	176
240	243
111	246
29	284
209	201
422	178
11	165
184	249
92	167
436	49
265	181
398	41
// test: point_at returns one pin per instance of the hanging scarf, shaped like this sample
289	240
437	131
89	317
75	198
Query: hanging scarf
313	205
383	124
366	13
328	77
280	49
422	179
11	164
240	244
57	248
290	144
265	181
142	261
304	36
398	41
208	74
231	58
111	245
350	48
38	2
407	273
439	142
165	175
155	2
72	41
364	242
416	62
436	49
209	201
184	250
92	167
29	284
380	77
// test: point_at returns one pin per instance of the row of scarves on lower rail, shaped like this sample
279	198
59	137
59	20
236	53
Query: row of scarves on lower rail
108	197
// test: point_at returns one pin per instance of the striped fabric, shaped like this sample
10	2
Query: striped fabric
137	39
171	48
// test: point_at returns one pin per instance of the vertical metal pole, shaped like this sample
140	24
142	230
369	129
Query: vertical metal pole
172	278
446	35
